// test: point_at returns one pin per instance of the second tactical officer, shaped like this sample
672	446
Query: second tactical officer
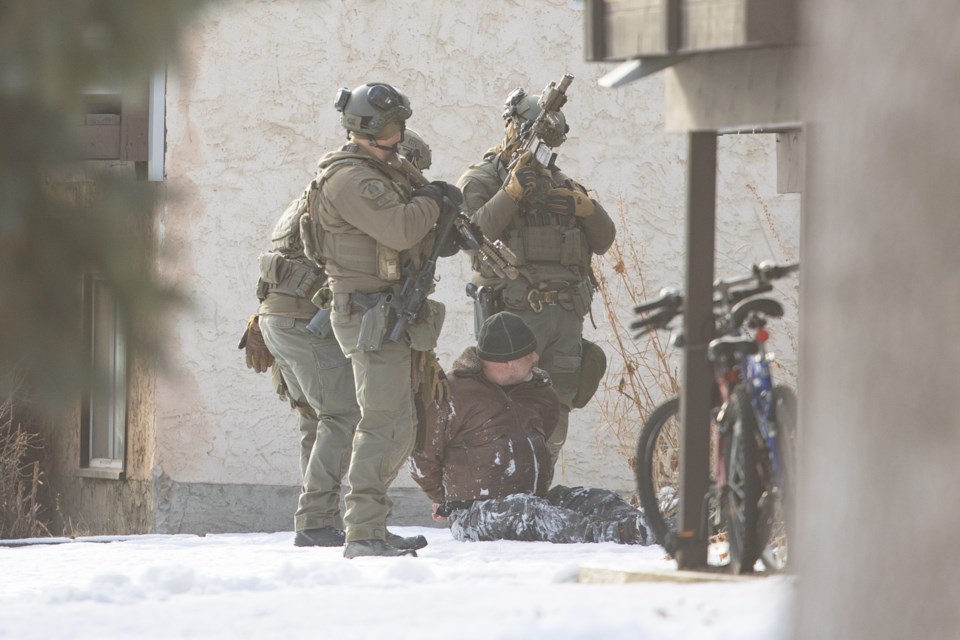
373	223
416	150
554	228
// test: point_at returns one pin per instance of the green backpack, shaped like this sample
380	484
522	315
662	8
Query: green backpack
593	364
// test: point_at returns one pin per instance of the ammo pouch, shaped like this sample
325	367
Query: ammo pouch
288	277
574	251
593	364
425	332
377	316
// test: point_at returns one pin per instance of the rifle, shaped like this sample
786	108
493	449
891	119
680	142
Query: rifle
417	284
495	255
554	96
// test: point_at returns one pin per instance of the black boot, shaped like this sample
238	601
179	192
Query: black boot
322	537
374	547
400	542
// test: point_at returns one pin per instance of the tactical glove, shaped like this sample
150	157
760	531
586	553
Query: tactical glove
569	202
429	379
433	191
450	192
259	357
522	180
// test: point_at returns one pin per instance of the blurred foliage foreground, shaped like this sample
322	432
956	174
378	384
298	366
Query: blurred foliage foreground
61	219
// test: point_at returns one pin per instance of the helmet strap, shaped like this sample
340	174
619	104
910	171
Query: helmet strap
395	148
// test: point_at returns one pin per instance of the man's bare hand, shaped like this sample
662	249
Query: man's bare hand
437	517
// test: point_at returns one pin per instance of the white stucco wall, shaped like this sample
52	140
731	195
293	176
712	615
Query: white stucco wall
251	110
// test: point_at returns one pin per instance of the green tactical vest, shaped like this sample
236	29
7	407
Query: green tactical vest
539	238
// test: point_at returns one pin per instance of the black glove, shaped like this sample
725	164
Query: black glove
432	190
450	192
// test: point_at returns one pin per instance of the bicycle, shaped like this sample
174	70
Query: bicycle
752	429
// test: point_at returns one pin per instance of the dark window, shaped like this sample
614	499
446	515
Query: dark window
104	412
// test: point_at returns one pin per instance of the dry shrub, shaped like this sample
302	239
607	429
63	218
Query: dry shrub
20	479
640	375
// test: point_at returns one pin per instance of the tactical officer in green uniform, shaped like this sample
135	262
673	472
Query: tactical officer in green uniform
373	220
554	228
416	150
316	377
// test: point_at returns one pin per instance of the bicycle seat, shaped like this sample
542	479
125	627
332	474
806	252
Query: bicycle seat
731	347
767	306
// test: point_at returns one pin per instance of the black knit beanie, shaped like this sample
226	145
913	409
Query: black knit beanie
503	337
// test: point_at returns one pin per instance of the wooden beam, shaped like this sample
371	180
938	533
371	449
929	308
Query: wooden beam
736	89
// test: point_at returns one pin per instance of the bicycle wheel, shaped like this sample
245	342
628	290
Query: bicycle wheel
740	495
657	471
777	500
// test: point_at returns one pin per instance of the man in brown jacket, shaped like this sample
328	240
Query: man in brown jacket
554	227
484	461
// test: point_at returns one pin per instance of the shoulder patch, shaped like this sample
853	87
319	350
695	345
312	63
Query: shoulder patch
373	189
378	192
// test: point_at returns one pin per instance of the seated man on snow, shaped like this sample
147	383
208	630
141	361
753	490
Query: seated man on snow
483	460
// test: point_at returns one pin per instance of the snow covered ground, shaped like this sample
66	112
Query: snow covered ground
261	586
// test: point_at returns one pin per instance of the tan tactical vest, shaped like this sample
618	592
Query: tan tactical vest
354	250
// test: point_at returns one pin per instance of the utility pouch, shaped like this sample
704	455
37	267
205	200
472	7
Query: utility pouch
572	248
593	364
582	296
319	324
425	332
388	263
542	244
279	384
323	298
514	295
273	267
514	242
374	323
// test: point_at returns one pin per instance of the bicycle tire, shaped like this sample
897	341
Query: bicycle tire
740	496
661	524
776	524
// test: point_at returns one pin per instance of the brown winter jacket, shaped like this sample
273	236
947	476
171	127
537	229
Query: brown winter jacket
488	442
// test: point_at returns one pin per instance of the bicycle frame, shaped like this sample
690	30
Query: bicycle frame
756	374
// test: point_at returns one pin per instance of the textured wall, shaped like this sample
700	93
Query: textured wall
878	551
252	110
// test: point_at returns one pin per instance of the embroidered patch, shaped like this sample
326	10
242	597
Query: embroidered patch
372	189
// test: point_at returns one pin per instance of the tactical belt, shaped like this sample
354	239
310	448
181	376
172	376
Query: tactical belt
342	301
538	298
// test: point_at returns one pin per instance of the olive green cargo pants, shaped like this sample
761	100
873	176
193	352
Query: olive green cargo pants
317	373
387	427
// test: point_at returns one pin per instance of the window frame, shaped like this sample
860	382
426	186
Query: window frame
103	446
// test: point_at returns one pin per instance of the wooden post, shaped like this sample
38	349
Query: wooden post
695	399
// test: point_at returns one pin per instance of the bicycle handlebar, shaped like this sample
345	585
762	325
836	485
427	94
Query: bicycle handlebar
670	301
668	297
658	320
